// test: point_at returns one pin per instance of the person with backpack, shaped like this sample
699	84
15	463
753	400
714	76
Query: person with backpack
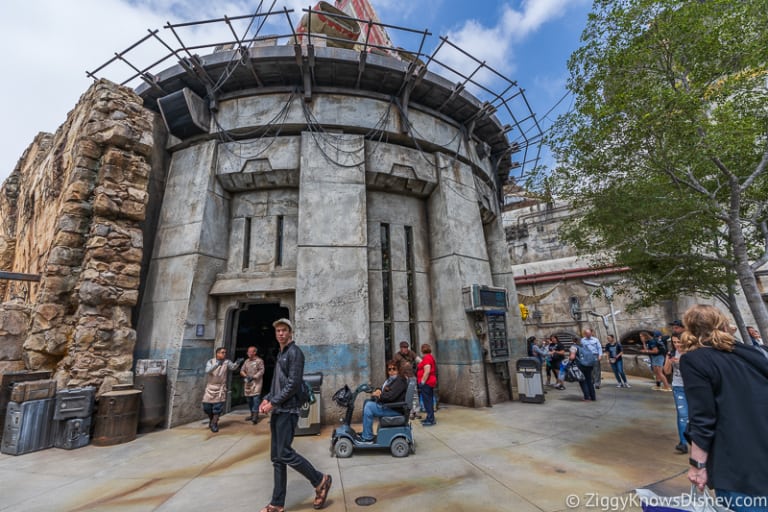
284	402
585	360
657	350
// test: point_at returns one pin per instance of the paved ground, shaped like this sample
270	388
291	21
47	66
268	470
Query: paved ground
513	456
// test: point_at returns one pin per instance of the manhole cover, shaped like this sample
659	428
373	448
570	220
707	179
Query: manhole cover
365	501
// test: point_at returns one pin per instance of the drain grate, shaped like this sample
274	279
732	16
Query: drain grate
365	501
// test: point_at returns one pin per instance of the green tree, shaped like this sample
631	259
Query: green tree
666	148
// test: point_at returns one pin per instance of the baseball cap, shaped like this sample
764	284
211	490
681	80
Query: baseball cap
283	321
404	344
678	323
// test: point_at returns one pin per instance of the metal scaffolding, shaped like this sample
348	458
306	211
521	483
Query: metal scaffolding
503	99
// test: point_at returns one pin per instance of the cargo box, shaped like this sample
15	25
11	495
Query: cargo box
74	403
7	381
33	390
72	433
28	427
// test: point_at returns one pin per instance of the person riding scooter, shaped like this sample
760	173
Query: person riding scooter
393	390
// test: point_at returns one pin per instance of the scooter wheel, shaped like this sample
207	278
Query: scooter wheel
400	447
343	448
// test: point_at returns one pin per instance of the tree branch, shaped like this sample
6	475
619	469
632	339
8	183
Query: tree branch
758	171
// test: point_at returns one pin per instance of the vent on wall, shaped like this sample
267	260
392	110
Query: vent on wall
185	114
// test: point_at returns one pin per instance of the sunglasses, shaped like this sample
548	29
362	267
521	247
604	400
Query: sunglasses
391	368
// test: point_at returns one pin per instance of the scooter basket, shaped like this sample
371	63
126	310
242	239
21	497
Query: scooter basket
343	396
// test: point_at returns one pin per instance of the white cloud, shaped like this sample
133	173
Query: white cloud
495	44
48	45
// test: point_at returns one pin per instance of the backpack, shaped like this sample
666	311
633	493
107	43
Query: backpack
662	346
306	394
586	357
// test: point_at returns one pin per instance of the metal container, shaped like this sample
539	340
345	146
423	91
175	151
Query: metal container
28	427
530	386
117	417
153	399
74	403
72	433
7	380
309	414
33	390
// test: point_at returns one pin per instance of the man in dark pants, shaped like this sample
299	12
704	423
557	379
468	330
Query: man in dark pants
284	403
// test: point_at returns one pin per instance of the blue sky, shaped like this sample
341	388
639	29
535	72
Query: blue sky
55	42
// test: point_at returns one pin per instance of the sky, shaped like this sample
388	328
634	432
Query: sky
48	45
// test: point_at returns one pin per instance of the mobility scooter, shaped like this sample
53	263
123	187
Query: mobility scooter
394	432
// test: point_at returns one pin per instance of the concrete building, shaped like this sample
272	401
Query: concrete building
355	193
565	293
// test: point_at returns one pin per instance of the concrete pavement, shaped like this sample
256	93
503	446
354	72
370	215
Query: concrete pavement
513	456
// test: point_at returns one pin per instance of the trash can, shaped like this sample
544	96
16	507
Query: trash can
529	384
309	415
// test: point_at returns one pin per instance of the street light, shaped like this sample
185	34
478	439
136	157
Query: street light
608	294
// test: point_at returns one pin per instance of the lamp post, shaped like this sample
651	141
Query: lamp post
608	294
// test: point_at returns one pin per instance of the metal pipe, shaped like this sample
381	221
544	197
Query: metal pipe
559	275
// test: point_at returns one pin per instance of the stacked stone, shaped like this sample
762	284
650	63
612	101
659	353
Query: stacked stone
81	323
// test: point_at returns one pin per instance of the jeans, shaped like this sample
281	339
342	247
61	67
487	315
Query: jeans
217	408
597	373
618	371
253	403
587	386
740	502
372	410
282	425
428	395
682	411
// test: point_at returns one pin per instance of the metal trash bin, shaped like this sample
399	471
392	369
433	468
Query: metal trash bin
309	415
529	384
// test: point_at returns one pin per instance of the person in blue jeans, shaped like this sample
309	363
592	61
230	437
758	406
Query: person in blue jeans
672	365
616	358
393	390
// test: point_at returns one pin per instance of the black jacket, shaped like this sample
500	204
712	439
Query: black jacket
287	379
727	396
395	392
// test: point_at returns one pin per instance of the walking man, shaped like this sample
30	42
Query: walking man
284	403
593	344
215	394
252	373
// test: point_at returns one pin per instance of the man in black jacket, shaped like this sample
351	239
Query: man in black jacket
284	403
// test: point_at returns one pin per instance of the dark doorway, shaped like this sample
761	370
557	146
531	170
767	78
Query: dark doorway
254	327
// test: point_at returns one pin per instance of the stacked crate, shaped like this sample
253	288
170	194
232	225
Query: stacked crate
29	417
72	416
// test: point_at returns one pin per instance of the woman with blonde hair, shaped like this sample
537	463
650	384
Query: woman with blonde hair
726	384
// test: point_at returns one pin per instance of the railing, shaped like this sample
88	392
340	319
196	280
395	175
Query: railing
501	95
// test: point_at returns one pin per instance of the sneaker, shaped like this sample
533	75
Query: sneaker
682	448
619	385
360	440
626	385
597	386
666	390
426	423
654	388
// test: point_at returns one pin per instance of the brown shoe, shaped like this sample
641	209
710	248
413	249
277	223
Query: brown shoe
321	492
273	508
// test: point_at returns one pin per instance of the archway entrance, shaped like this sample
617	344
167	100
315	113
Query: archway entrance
253	326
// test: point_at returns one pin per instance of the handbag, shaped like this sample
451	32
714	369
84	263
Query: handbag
693	501
573	373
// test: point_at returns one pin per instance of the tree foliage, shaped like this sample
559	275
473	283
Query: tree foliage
665	151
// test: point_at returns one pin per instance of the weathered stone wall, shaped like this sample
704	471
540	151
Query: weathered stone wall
76	221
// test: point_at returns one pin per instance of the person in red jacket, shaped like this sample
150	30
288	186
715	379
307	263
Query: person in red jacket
426	376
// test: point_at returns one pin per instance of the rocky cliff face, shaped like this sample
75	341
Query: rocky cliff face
72	212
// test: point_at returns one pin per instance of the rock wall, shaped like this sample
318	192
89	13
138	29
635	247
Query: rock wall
72	212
